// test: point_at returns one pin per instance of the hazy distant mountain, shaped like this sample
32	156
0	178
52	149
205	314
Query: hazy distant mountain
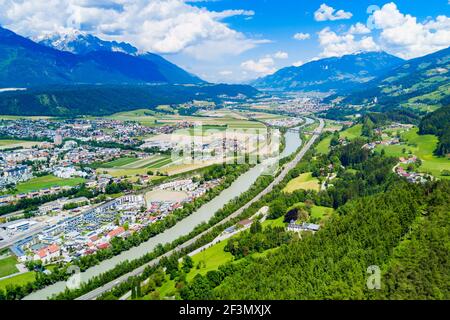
24	63
81	43
331	74
417	83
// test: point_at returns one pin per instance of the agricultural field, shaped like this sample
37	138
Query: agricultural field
6	144
151	118
266	116
8	266
48	181
223	113
422	146
134	166
181	168
164	161
304	181
144	116
203	130
150	162
9	117
118	162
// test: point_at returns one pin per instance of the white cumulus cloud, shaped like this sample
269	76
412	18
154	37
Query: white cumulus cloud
334	44
359	28
263	66
301	36
326	12
402	35
161	26
281	55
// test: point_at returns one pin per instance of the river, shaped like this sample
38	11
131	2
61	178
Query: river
183	227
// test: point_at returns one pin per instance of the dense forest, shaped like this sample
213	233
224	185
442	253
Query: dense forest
398	115
438	123
333	263
381	222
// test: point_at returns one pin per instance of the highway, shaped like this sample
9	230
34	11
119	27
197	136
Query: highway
285	170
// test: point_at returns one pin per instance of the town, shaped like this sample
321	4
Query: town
58	201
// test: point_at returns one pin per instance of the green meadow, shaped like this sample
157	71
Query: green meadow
8	266
304	181
48	181
351	133
423	147
20	279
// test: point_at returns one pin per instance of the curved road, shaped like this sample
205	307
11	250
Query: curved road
99	291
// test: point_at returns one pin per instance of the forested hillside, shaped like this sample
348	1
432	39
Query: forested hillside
109	99
416	84
381	220
438	123
332	264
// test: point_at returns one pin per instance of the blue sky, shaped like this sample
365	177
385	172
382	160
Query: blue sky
238	40
279	20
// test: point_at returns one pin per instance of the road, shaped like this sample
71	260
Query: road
285	170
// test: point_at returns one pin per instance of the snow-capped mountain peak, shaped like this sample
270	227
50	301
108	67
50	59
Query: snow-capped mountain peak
80	42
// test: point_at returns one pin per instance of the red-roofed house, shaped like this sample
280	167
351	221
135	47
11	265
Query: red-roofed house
115	232
104	245
53	249
245	223
47	254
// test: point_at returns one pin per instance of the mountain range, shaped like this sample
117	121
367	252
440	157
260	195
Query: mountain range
48	66
80	74
421	84
331	74
86	60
